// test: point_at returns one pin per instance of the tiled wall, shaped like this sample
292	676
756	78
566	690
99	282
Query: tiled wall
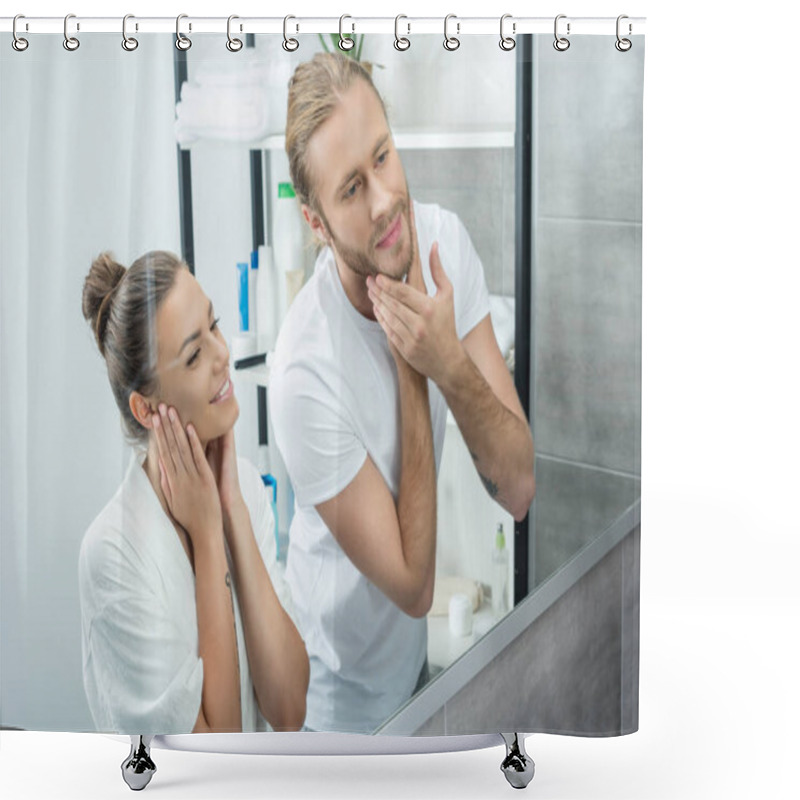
587	236
588	246
575	503
587	239
573	670
478	185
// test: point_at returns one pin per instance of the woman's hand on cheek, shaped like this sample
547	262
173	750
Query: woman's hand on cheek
222	458
186	477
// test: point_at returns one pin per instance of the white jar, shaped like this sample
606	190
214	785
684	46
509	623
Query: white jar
460	615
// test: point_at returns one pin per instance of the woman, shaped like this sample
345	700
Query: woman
182	627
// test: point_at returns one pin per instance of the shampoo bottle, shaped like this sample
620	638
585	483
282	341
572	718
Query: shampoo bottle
243	343
266	301
499	574
287	243
252	292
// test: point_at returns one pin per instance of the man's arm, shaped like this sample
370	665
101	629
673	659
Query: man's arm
473	378
394	545
482	396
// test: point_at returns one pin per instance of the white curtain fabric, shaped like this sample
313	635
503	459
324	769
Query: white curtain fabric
88	163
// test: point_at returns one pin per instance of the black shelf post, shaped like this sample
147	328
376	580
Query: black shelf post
184	171
523	201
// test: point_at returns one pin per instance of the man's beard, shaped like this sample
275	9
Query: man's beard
364	262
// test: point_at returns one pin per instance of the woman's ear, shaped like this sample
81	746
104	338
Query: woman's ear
142	410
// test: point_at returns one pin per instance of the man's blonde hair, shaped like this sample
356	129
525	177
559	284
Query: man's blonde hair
315	91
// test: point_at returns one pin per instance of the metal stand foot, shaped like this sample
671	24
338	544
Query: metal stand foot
517	766
138	768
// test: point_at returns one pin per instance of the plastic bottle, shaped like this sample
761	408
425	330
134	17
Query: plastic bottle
266	304
242	269
287	238
252	294
243	343
499	574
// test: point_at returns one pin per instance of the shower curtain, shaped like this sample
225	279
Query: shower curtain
525	161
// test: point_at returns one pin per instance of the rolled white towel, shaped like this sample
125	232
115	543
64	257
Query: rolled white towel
254	109
237	110
223	113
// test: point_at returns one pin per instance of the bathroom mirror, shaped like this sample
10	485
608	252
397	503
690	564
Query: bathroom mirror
580	305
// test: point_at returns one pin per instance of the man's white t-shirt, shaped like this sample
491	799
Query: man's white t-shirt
141	669
334	399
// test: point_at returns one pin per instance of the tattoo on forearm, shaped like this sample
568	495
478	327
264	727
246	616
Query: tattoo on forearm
229	584
474	455
490	485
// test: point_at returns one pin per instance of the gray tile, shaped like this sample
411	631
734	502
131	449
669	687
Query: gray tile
574	505
479	195
589	129
435	726
482	217
587	321
508	235
475	169
629	685
637	380
561	675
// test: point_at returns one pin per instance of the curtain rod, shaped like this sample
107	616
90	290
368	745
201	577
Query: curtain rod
408	26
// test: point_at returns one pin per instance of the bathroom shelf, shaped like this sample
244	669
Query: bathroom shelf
253	376
404	140
444	648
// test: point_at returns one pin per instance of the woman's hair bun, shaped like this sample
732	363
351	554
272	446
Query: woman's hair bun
102	281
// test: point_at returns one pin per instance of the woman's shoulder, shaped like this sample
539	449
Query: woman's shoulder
105	530
103	557
117	545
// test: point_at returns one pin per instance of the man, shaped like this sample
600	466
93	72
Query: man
392	328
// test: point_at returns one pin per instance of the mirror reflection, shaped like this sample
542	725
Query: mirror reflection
338	196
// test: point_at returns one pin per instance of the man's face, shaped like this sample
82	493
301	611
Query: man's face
360	186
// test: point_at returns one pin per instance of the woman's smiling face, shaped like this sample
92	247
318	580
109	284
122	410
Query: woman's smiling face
193	367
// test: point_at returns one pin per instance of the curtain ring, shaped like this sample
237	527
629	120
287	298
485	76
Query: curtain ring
18	43
345	44
507	42
289	45
233	45
561	43
401	43
128	42
623	45
70	42
451	42
182	42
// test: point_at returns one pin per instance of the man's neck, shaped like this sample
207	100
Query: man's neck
355	287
